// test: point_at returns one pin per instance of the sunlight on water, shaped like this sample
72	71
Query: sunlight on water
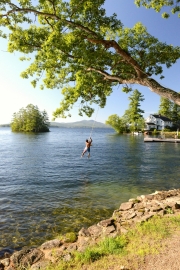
47	189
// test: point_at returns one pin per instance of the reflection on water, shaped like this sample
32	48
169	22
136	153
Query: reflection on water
47	189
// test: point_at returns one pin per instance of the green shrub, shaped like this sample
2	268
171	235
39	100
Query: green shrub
113	245
70	237
105	247
155	132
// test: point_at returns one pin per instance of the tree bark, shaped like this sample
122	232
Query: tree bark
165	92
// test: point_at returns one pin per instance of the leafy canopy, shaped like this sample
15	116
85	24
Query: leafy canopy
165	107
30	119
134	112
175	115
132	118
117	123
170	110
76	47
157	5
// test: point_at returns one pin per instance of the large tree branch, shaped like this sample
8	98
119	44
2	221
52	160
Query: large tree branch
165	92
113	44
152	84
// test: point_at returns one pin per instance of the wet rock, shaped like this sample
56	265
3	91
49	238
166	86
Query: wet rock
156	208
83	243
62	248
40	265
5	262
72	247
54	254
139	213
51	244
126	206
109	229
33	257
26	257
10	268
18	256
139	206
6	253
1	266
106	222
149	197
84	232
123	230
171	193
161	213
118	227
146	217
95	230
139	198
177	205
160	197
146	209
129	215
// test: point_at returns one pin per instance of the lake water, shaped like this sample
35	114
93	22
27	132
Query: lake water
47	189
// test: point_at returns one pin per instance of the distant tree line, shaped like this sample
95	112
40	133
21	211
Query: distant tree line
132	120
30	119
171	110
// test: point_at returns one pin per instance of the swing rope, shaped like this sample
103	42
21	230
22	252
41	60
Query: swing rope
94	123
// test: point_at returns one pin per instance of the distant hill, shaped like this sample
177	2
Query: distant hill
80	124
5	125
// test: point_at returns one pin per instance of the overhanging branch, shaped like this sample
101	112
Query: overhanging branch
112	78
165	92
113	44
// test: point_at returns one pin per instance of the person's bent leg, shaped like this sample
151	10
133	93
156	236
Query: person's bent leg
84	151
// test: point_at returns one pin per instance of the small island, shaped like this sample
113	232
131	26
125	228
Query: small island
30	119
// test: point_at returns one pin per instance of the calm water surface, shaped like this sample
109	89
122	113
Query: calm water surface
47	189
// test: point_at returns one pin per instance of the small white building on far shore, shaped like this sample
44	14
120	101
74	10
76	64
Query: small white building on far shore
158	122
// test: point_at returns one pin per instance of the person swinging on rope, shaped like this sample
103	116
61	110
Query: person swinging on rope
87	147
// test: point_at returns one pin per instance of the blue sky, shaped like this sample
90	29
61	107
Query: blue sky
16	92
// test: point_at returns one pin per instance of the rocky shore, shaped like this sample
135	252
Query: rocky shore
129	213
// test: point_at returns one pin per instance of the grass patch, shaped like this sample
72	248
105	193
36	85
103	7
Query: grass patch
146	238
105	247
